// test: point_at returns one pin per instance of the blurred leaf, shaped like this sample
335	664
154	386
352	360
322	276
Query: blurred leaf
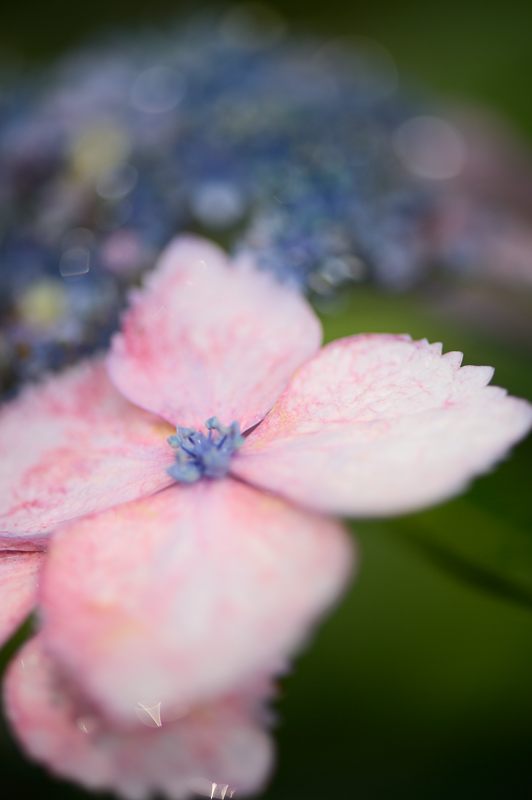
21	635
470	572
476	544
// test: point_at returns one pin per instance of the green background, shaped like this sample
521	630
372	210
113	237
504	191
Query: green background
420	685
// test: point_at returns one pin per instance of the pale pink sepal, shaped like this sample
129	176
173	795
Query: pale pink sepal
205	338
220	749
71	446
181	596
381	424
18	586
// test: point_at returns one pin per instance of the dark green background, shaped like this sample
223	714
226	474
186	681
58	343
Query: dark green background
420	686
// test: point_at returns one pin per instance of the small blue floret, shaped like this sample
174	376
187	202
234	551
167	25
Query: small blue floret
199	455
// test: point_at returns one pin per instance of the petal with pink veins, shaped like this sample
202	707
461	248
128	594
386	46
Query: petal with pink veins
18	587
380	424
216	750
176	598
71	446
205	338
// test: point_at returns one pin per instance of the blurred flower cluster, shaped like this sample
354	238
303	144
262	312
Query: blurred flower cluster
223	125
306	152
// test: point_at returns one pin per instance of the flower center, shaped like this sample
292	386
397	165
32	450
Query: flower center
204	455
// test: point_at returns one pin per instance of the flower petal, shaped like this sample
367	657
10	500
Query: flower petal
178	597
215	750
73	445
18	587
380	424
207	338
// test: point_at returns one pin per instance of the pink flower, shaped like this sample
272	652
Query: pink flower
186	561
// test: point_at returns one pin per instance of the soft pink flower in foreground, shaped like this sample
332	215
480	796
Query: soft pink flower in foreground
161	595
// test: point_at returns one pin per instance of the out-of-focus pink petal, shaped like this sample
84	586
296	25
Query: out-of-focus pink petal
73	445
215	750
209	338
18	586
178	597
380	424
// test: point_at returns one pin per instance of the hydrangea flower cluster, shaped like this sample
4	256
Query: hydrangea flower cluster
278	145
175	573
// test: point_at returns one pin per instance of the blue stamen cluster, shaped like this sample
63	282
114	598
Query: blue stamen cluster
199	455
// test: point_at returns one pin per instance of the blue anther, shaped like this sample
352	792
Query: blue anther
199	455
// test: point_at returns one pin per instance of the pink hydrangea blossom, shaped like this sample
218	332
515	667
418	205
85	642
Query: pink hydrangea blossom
187	479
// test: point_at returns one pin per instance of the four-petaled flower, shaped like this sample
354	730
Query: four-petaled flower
187	561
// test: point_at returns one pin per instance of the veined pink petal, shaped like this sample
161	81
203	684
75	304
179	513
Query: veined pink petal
179	597
215	750
73	445
379	424
208	338
18	587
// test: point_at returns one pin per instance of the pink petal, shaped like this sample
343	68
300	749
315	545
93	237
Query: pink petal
208	338
18	587
178	597
73	445
215	750
380	424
